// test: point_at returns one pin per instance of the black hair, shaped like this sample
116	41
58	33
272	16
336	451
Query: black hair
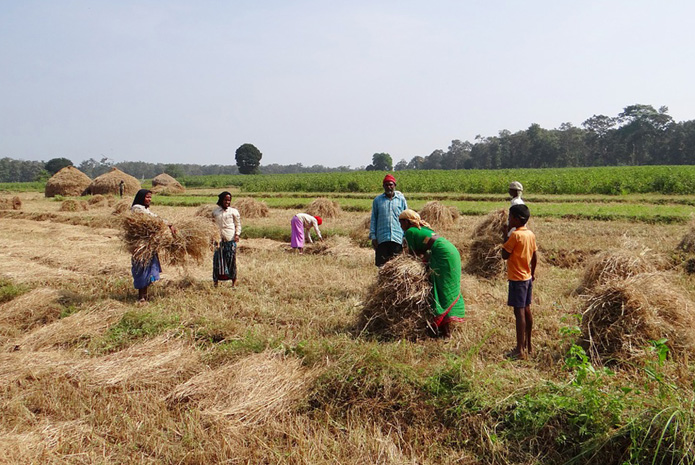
520	212
140	197
221	197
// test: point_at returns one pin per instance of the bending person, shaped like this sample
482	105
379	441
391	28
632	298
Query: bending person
229	222
444	261
302	224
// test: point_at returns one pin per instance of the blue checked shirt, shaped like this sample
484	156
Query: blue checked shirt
384	226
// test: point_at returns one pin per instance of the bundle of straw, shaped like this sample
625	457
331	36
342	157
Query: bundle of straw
324	208
71	205
612	264
191	241
144	235
485	259
398	303
121	207
249	207
439	215
97	200
205	211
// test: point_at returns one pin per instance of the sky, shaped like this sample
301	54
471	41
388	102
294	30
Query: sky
324	82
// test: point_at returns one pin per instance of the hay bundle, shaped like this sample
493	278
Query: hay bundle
485	257
71	205
205	211
122	206
687	243
251	208
68	182
439	216
360	233
337	246
15	203
624	315
612	264
191	241
144	235
324	208
35	308
163	183
108	183
398	303
97	200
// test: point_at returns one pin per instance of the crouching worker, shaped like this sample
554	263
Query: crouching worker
444	261
520	253
302	224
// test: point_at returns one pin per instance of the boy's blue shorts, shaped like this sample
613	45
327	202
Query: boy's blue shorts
520	293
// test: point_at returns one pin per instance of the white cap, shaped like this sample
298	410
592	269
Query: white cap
516	185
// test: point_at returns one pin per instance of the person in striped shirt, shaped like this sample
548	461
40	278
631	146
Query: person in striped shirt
384	228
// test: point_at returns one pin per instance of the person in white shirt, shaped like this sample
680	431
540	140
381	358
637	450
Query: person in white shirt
515	190
301	223
224	259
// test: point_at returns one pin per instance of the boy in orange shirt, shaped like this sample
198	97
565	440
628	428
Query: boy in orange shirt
520	253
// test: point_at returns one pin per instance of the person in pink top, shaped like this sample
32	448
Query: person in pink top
520	253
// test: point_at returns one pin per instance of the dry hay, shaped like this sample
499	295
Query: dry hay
397	305
624	315
485	257
108	183
37	307
144	235
21	365
338	246
205	211
15	203
97	200
74	329
612	264
121	207
439	216
165	184
360	233
251	391
192	240
68	182
251	208
71	205
324	208
157	362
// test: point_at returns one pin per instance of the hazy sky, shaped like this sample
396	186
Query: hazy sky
324	82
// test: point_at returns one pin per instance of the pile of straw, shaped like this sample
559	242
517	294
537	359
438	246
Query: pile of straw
360	233
205	211
97	200
68	182
71	205
613	264
15	203
108	183
324	208
624	315
144	235
485	258
164	183
398	303
251	208
192	241
121	207
337	246
439	216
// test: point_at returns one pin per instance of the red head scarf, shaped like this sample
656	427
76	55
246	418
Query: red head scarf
388	178
319	220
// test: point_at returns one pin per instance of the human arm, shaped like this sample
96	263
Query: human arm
318	231
508	247
237	225
372	224
534	260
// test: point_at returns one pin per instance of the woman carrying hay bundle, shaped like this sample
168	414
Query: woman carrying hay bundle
302	222
229	222
445	265
145	273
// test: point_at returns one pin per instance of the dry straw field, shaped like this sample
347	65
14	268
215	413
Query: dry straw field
281	370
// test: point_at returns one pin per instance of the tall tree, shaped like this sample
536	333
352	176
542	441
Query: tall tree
381	162
248	159
56	164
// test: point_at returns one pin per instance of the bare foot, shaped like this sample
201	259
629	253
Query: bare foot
515	354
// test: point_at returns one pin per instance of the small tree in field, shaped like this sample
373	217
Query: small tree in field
248	159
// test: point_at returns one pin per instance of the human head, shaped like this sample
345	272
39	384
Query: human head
140	198
222	197
519	213
319	221
515	188
389	184
410	218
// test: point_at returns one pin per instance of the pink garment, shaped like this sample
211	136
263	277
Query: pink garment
297	232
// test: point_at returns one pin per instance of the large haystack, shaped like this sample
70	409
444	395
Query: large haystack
439	216
251	208
485	259
614	264
398	303
324	208
163	183
108	183
68	182
624	315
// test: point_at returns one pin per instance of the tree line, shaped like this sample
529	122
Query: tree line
639	135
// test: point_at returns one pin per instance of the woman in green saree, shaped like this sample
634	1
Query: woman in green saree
445	265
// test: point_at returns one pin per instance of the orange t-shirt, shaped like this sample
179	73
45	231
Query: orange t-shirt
521	245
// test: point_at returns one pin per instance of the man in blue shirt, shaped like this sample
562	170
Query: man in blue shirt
384	229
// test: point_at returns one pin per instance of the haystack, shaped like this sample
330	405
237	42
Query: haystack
122	206
108	183
250	208
71	205
397	305
624	315
163	183
205	211
485	258
614	264
192	240
439	216
68	182
15	203
324	208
